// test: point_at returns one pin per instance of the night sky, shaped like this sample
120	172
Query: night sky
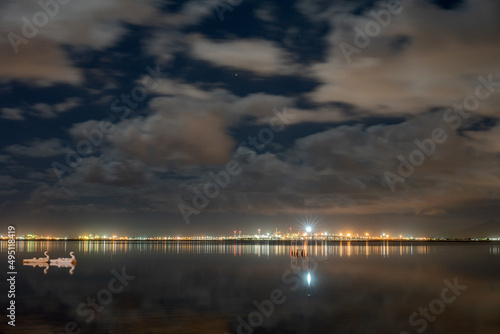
149	117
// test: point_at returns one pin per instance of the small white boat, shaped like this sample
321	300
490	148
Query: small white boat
39	260
64	261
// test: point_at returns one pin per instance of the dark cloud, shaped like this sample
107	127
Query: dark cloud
12	114
38	148
5	158
118	173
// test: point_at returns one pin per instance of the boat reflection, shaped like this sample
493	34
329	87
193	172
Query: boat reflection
40	264
65	265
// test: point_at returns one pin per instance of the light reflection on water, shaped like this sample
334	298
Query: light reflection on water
320	248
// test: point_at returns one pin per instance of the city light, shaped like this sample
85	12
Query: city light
306	234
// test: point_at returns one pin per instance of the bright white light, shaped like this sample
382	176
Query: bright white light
308	278
308	224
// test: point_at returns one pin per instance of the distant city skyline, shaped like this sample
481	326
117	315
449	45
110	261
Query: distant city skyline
299	235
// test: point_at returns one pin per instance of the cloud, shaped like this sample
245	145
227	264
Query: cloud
5	158
265	13
84	208
122	173
485	141
9	192
191	127
38	148
258	105
259	56
90	24
191	13
175	88
7	181
437	65
168	39
45	110
319	11
41	60
179	131
94	24
45	193
14	114
68	104
340	171
164	43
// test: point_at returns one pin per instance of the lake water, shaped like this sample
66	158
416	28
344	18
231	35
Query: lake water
181	287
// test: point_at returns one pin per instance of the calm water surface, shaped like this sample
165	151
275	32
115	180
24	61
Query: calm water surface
180	287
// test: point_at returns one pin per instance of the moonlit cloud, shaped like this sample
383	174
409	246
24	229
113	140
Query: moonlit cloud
255	55
188	131
436	66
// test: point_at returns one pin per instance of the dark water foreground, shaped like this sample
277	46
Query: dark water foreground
181	287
